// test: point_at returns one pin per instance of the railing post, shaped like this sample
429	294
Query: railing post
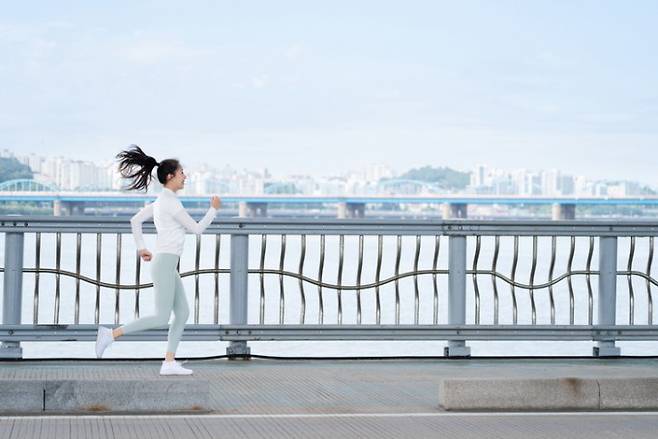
607	293
12	291
239	290
457	294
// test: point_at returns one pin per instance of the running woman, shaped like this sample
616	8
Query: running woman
171	222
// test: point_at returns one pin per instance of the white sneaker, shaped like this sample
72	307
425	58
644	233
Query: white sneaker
174	368
104	338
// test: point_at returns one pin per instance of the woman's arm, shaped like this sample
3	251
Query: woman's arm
136	224
188	222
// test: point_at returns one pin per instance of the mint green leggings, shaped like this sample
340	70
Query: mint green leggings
169	294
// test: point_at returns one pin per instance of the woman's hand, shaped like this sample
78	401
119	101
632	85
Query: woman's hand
145	255
215	202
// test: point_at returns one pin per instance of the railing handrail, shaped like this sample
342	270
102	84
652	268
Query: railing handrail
457	227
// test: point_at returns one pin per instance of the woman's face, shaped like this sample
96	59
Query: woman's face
178	180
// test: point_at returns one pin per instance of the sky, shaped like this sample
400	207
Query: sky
320	87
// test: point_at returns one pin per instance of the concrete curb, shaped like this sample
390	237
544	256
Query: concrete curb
170	394
629	393
550	394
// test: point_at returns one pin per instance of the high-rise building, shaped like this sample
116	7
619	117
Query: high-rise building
479	176
567	185
551	182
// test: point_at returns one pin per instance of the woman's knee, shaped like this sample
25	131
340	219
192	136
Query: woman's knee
161	319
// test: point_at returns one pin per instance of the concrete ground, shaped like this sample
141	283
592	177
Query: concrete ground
454	426
334	398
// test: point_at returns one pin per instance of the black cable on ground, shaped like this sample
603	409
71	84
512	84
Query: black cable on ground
363	358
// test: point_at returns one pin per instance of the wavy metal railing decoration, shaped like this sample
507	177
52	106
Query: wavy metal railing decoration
531	286
514	284
117	285
340	287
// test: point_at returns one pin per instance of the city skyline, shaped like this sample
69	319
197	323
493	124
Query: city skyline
397	170
305	88
66	172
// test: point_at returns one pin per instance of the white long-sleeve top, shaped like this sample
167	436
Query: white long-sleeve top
171	222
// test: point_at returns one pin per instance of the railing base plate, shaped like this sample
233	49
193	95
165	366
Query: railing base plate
606	351
11	350
238	350
457	351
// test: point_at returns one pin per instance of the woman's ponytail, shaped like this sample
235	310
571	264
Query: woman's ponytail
135	165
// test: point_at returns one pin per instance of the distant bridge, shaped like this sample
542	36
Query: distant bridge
26	185
454	206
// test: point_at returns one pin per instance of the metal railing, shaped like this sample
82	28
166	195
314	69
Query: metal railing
363	309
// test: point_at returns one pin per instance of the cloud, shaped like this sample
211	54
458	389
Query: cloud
150	51
294	52
607	118
547	60
259	81
13	33
31	37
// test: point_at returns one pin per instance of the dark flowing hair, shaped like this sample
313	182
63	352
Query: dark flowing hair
136	165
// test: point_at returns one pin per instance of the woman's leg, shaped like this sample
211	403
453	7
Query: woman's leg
163	272
181	313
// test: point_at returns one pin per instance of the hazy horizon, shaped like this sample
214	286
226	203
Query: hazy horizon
299	87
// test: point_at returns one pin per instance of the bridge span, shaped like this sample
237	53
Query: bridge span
452	206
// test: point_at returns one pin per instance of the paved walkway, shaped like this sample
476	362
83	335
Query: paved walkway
318	398
453	426
319	386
